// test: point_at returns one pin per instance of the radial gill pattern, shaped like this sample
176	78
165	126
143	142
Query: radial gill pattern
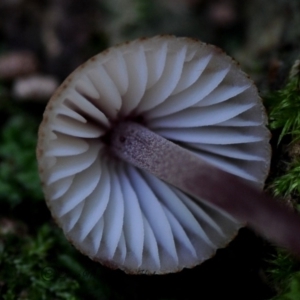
188	92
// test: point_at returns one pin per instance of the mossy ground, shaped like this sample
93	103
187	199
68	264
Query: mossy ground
284	117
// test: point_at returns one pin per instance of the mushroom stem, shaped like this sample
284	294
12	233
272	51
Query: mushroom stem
146	150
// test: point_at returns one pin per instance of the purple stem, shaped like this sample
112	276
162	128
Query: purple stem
181	168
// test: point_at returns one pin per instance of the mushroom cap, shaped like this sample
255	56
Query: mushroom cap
186	91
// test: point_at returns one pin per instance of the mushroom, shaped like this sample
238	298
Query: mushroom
181	89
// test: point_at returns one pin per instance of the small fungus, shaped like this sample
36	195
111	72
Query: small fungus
182	90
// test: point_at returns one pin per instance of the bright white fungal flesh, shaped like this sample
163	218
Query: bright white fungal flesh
184	90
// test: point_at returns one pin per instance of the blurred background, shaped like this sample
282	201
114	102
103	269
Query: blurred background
41	42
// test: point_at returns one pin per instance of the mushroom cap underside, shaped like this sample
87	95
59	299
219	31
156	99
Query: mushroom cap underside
184	90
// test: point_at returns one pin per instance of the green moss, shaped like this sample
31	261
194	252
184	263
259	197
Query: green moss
288	184
293	289
284	111
45	266
284	117
18	168
28	271
282	266
284	274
